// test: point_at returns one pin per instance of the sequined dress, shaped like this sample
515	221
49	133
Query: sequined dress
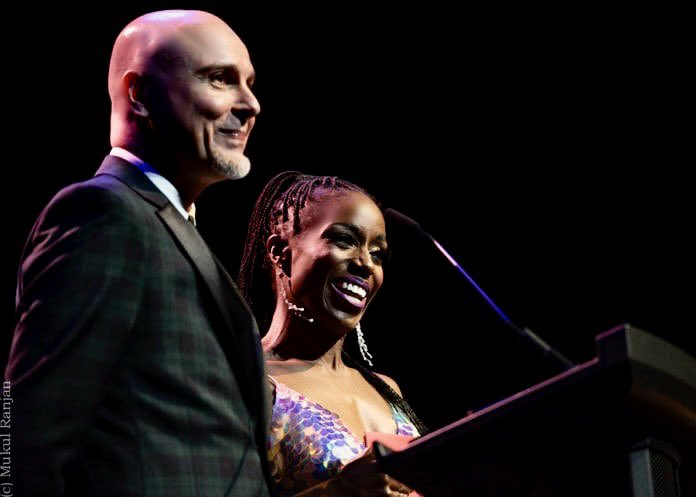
309	444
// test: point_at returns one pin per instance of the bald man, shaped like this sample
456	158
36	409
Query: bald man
135	367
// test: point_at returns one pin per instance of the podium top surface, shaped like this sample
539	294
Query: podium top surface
638	385
662	378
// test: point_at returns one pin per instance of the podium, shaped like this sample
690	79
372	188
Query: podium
620	425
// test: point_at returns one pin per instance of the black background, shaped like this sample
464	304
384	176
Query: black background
546	149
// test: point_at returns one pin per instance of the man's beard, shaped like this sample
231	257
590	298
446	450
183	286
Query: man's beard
231	166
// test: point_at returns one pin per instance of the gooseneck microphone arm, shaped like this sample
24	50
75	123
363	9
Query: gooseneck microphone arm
527	335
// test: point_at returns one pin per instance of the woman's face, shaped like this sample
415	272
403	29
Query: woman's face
336	261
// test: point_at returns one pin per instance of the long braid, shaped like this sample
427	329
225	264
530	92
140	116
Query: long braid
252	268
388	393
285	191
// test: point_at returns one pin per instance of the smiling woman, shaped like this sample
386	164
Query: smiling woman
322	242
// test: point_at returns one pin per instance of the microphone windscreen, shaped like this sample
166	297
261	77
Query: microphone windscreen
402	218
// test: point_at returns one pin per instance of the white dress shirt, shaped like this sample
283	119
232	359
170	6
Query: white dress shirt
162	183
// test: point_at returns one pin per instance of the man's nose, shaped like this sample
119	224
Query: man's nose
246	103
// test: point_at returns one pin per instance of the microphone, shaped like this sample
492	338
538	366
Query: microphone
527	335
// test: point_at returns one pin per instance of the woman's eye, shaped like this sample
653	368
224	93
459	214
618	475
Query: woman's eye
379	255
343	240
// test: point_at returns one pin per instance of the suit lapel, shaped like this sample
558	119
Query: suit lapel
134	178
262	397
236	317
241	340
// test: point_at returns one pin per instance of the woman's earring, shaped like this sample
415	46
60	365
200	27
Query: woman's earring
362	345
296	310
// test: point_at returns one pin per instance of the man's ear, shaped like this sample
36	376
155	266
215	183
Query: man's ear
279	252
135	85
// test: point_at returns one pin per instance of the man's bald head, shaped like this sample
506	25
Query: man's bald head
180	87
148	39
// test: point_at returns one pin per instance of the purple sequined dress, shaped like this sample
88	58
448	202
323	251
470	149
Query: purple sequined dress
309	444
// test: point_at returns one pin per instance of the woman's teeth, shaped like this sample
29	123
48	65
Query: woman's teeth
355	289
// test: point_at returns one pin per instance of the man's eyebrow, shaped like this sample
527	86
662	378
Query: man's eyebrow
218	67
225	67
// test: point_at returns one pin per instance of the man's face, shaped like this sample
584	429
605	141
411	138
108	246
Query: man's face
202	108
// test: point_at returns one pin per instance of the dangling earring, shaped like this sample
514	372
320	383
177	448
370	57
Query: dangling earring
296	310
362	345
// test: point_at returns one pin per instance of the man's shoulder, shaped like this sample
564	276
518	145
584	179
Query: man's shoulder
104	200
102	191
101	184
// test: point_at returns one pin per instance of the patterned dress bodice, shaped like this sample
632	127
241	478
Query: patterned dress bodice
309	444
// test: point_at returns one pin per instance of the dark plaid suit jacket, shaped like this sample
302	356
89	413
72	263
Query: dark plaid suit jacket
135	368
